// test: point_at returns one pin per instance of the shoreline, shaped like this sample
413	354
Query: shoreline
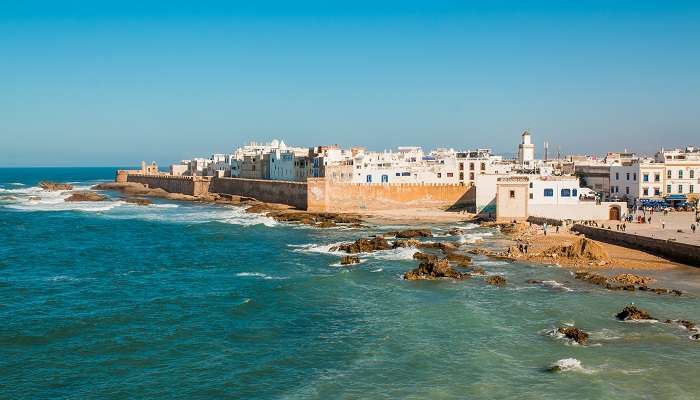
624	258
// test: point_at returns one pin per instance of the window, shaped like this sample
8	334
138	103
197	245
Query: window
645	191
680	188
483	166
574	192
471	176
461	176
385	178
657	177
566	193
512	194
398	174
405	174
617	176
628	176
691	189
450	174
530	196
549	193
471	166
439	174
645	177
627	190
530	185
668	174
692	174
668	189
657	191
461	166
680	174
634	176
369	178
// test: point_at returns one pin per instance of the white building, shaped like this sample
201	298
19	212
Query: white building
526	150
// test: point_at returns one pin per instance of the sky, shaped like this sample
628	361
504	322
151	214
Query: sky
103	83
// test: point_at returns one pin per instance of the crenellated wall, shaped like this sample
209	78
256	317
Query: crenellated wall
269	191
324	195
190	185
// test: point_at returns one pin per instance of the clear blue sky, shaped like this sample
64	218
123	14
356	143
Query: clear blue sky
111	83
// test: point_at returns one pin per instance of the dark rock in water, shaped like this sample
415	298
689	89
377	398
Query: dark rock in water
460	259
455	232
433	269
575	334
139	201
477	271
591	278
423	256
410	233
444	246
86	196
633	313
610	286
689	325
406	243
534	282
695	336
326	224
364	245
349	260
54	186
496	280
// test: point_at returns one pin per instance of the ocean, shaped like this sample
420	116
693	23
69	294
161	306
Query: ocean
113	300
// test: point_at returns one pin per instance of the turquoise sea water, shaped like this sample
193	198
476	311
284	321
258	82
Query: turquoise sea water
192	301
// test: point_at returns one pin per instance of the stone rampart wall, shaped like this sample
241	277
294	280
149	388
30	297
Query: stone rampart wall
269	191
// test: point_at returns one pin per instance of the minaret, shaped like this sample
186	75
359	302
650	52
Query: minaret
526	150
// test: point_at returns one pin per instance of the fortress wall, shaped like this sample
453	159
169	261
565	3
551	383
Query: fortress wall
324	195
189	185
269	191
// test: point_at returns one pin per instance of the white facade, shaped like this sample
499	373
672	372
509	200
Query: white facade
282	165
526	150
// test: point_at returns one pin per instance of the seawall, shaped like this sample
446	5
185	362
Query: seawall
190	185
283	192
675	251
329	196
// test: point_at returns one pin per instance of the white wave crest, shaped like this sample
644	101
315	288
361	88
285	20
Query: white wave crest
568	364
258	275
401	253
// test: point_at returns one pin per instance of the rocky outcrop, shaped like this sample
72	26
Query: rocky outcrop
581	249
574	334
455	232
461	260
55	186
349	260
631	279
139	201
405	243
410	233
86	196
321	219
364	245
633	313
675	292
496	280
423	256
623	282
434	269
444	246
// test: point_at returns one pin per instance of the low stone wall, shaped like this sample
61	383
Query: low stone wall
675	251
269	191
542	220
190	185
324	195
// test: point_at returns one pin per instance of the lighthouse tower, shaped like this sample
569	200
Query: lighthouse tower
526	150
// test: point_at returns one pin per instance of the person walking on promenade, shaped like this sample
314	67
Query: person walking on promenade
544	226
663	224
692	227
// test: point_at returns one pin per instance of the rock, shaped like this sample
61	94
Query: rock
695	336
477	271
689	325
633	313
575	334
534	282
138	201
326	224
610	286
566	364
444	246
496	280
455	232
460	259
581	249
54	186
364	245
423	256
433	269
405	243
86	196
591	278
349	260
632	279
479	251
410	233
32	198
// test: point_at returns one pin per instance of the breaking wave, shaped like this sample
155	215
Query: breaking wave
401	253
258	275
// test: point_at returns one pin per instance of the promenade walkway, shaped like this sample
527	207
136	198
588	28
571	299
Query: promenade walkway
674	221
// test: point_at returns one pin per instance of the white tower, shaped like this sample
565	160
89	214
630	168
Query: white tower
526	149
